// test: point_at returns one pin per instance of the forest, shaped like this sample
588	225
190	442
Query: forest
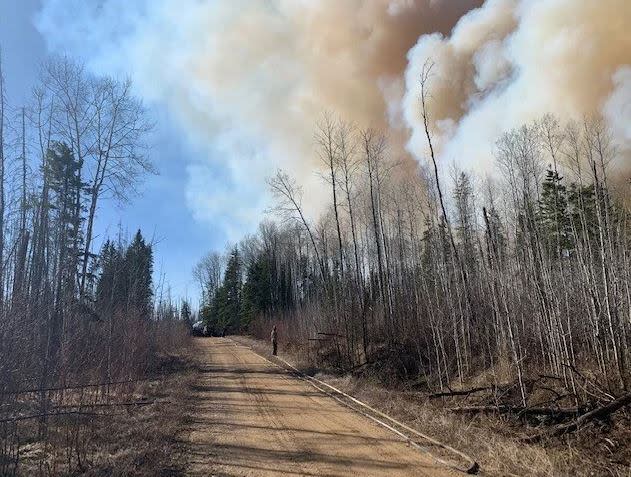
409	221
79	319
441	278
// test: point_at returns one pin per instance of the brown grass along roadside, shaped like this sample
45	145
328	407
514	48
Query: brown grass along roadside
135	436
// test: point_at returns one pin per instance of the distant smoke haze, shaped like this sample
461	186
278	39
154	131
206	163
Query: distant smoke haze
248	79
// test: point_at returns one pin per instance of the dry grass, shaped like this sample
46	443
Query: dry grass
131	440
494	441
146	441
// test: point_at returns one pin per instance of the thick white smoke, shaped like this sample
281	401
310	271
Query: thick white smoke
252	77
617	108
248	79
511	61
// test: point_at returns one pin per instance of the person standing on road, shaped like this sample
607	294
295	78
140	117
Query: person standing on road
274	337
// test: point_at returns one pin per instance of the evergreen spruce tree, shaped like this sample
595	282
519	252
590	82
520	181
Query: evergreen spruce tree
139	271
63	173
230	296
258	290
463	195
552	216
111	286
185	312
220	313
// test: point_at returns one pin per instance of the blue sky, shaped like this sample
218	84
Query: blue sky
161	208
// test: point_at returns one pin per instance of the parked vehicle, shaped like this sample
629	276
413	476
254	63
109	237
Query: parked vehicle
199	329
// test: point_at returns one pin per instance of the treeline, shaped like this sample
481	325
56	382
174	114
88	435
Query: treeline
70	315
525	273
247	282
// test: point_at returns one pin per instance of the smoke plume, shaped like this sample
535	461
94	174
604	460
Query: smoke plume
248	79
511	61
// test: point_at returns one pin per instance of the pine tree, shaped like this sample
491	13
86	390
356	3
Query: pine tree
111	286
230	298
552	216
219	313
258	290
139	271
63	172
463	195
185	312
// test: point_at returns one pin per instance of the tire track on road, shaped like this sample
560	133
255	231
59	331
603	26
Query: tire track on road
245	401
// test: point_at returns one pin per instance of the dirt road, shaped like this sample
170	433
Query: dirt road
255	419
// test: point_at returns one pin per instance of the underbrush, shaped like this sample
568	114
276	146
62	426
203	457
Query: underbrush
122	422
494	439
145	441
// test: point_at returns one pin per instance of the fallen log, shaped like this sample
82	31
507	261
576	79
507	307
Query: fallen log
519	410
71	409
357	366
77	386
463	392
597	413
110	404
51	414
